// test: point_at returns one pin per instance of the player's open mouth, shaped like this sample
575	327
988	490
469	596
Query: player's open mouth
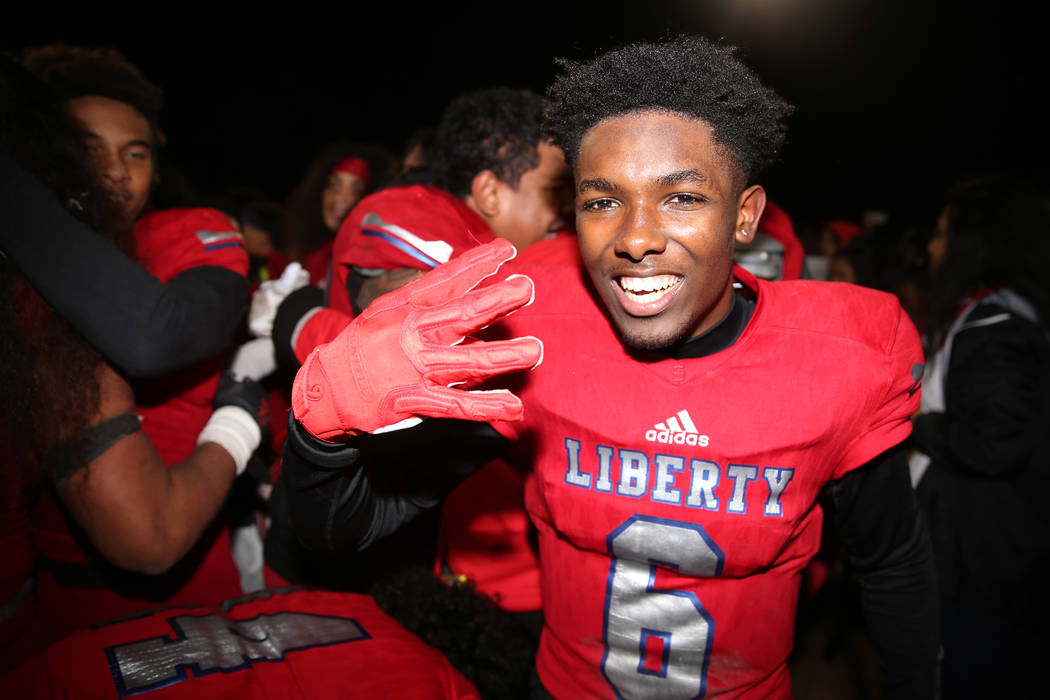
646	296
121	199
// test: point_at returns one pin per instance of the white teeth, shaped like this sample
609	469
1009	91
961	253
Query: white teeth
643	285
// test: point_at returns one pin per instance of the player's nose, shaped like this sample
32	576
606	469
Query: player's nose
111	168
639	235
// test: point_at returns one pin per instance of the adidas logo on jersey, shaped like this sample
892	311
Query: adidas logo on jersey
677	430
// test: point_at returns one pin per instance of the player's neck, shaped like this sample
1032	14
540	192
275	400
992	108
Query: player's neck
722	334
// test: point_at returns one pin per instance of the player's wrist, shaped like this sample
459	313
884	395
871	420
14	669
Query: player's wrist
236	431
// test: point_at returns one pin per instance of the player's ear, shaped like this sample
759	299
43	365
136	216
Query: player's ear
752	202
485	191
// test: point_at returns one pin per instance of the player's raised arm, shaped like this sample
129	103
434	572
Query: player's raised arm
351	482
401	359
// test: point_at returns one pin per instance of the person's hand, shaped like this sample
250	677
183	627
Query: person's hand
270	295
254	359
399	360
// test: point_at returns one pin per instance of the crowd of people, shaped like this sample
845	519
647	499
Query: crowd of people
553	404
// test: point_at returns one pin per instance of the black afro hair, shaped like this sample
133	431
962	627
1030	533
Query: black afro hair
497	129
690	76
74	71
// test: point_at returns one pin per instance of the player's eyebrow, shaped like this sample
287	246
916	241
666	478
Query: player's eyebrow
85	133
678	177
596	183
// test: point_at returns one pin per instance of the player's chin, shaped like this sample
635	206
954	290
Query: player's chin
648	334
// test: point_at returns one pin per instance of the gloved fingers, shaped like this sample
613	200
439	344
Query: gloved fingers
448	281
445	365
254	359
457	318
294	277
444	402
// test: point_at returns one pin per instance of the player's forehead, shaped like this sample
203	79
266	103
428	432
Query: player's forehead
551	167
650	145
106	118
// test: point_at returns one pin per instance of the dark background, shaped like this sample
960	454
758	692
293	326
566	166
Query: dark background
895	99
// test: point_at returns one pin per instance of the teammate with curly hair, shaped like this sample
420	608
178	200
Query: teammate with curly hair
682	424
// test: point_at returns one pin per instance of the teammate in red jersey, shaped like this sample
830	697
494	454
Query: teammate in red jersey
501	178
285	642
163	294
683	421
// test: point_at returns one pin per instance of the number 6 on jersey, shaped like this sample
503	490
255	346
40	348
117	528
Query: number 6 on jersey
657	641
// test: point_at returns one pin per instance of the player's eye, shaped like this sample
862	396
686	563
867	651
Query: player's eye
686	199
599	204
139	154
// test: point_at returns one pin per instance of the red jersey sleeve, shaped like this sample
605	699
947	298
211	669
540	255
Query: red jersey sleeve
890	423
321	325
175	240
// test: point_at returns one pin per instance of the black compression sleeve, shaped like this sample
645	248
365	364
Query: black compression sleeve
343	498
291	311
142	326
889	548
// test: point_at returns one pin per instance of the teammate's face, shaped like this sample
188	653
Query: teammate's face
657	208
540	205
119	143
340	195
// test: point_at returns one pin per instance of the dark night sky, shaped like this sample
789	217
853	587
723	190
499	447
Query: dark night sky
894	99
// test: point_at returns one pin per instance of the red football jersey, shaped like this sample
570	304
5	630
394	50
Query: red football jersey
485	536
676	500
175	408
279	643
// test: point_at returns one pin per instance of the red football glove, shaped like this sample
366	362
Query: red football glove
397	360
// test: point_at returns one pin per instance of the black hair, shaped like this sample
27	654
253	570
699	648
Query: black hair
304	228
423	138
998	231
49	371
690	76
493	648
75	71
497	129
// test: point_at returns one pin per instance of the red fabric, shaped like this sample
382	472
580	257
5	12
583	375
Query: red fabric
845	231
288	644
427	213
719	509
321	327
358	167
17	597
776	224
175	408
317	263
485	536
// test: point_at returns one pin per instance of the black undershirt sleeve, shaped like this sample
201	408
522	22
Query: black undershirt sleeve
143	326
344	498
889	549
291	311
